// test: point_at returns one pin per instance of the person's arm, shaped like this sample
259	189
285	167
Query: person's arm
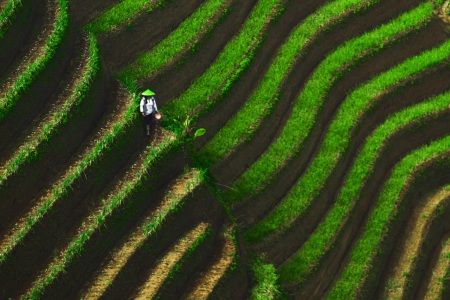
155	108
141	106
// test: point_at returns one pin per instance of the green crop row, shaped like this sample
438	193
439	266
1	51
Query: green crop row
232	61
247	121
8	14
29	151
35	69
338	138
386	207
183	38
76	246
311	99
121	14
314	249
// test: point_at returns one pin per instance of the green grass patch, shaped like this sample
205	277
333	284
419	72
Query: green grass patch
320	241
35	69
266	278
183	38
29	151
337	140
376	227
311	99
121	14
260	104
232	61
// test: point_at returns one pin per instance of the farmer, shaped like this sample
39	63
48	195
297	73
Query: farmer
148	109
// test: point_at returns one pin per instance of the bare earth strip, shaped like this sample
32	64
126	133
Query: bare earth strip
120	256
440	272
205	285
35	52
159	274
417	230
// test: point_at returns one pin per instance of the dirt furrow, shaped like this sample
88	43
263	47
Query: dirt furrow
177	79
416	229
440	272
117	258
207	280
289	174
83	11
159	274
86	222
121	48
36	50
232	167
11	144
409	138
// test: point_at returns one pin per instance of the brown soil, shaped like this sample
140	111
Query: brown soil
84	11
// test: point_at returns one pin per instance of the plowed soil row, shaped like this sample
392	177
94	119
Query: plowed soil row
84	11
436	287
31	51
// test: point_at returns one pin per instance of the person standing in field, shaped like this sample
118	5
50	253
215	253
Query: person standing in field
148	109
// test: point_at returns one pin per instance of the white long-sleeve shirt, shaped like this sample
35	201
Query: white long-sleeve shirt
148	105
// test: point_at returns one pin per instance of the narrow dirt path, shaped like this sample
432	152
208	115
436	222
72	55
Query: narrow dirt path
207	281
440	272
120	255
33	53
416	229
159	274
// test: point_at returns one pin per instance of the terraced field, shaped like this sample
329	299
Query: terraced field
323	172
